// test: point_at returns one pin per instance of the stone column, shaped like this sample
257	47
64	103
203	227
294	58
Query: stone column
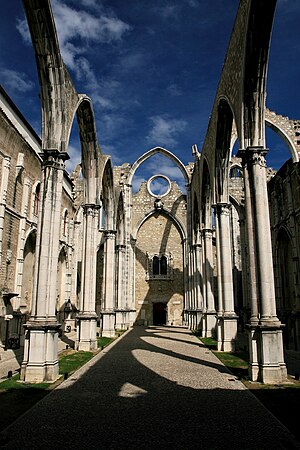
40	352
185	283
190	287
87	318
229	319
220	307
121	310
210	312
198	283
108	311
265	337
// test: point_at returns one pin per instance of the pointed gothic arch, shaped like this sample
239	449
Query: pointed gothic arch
152	152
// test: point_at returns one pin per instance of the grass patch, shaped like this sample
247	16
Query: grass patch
71	362
104	341
209	343
13	383
237	363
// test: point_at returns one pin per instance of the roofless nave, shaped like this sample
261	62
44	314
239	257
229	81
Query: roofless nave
84	251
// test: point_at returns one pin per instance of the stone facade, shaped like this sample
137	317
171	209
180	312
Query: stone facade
159	236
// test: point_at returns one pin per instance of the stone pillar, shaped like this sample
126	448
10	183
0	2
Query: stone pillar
122	321
87	318
3	197
40	361
185	283
210	312
108	311
229	318
191	289
265	335
198	283
220	307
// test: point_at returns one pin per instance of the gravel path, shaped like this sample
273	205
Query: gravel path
154	388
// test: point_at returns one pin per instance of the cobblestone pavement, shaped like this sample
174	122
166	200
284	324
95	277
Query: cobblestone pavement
154	388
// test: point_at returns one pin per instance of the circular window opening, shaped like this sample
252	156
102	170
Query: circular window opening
159	185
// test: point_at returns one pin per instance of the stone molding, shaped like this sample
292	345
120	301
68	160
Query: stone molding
254	155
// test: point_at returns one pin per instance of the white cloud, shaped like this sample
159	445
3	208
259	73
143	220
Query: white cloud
77	30
16	81
79	24
136	182
75	157
164	130
22	27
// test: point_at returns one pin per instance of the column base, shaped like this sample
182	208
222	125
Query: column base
210	323
266	357
108	323
227	332
86	332
40	363
123	319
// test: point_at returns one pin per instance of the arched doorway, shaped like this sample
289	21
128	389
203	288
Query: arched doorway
159	313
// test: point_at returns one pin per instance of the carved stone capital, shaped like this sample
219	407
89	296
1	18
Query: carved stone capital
207	233
223	209
51	157
110	234
90	209
253	155
120	248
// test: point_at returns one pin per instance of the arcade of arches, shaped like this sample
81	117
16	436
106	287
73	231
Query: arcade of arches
83	252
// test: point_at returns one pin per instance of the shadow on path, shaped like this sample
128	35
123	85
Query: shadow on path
143	394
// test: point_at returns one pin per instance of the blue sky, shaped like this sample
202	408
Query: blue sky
151	68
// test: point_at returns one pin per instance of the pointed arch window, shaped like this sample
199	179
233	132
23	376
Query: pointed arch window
159	266
235	172
37	198
65	224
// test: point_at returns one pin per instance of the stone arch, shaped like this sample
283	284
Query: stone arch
120	219
107	195
152	152
160	258
62	285
206	196
58	95
282	133
36	198
179	225
225	120
90	149
259	28
195	218
28	270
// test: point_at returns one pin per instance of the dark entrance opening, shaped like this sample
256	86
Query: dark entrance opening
159	313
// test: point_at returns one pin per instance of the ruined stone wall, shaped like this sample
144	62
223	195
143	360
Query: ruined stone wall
158	235
12	145
284	204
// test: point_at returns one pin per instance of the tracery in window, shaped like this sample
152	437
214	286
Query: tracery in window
159	266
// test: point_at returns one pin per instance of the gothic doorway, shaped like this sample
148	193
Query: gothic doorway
159	313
